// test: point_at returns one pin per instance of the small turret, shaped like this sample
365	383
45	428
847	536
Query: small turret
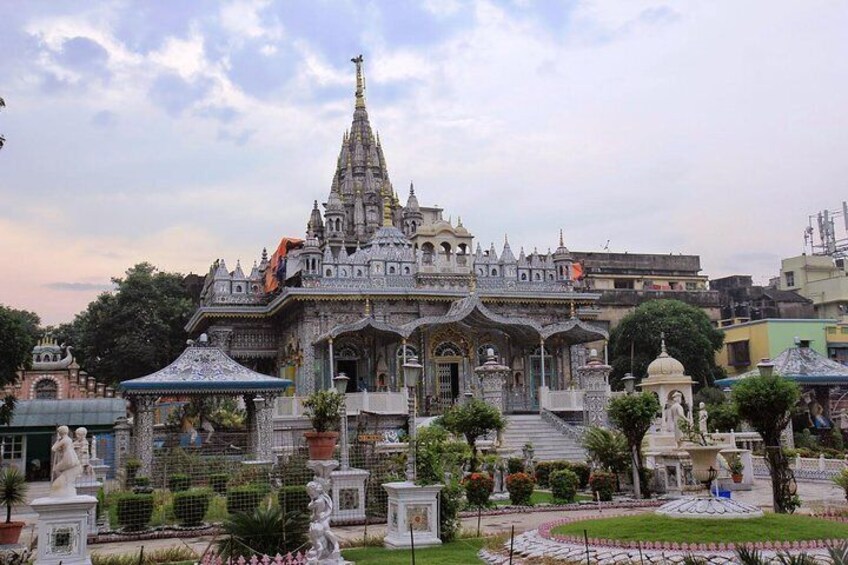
412	216
563	261
316	223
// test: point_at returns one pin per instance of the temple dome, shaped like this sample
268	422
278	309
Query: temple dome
665	365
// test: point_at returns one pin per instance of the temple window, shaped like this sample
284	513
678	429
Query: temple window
46	389
391	270
524	276
537	277
238	288
329	272
427	253
447	349
494	272
406	270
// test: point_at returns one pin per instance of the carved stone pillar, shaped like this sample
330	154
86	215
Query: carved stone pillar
143	433
492	377
221	337
122	442
594	381
262	428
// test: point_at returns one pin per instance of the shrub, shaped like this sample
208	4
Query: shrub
603	484
583	471
450	499
244	498
179	482
293	499
478	488
473	420
544	469
218	482
520	487
263	531
141	485
190	506
514	465
134	511
132	467
841	480
564	484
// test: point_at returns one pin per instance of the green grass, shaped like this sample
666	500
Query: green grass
651	527
460	551
543	497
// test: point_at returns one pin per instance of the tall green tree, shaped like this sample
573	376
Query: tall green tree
633	415
134	330
689	335
766	402
19	330
473	419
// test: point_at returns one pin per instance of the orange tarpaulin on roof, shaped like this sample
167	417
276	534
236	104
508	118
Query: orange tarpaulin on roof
286	245
576	271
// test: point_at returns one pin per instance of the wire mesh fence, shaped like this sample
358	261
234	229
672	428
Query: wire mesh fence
213	484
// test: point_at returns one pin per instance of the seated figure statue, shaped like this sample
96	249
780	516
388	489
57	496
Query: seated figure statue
325	546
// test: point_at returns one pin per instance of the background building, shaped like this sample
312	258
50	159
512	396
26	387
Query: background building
742	301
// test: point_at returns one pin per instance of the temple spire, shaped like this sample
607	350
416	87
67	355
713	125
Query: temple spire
360	82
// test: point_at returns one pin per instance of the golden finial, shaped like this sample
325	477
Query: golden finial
360	82
367	306
573	309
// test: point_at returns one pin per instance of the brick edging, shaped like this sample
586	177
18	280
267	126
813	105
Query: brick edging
574	506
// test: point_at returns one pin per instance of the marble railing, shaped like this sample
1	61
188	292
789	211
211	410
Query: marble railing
570	400
809	468
356	402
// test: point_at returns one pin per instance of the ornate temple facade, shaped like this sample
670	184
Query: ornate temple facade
377	280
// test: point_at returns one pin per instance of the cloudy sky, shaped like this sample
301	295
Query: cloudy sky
180	131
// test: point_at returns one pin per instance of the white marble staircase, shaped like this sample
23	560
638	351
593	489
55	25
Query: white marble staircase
549	442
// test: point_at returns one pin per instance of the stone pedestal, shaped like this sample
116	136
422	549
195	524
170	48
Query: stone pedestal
63	529
348	496
594	380
89	486
412	506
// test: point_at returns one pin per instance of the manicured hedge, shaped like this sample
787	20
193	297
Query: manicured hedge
293	499
190	506
179	482
520	487
218	482
478	488
603	484
244	499
134	511
564	485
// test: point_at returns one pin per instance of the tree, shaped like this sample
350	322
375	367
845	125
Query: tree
134	330
721	412
607	449
633	415
766	402
473	420
689	335
18	335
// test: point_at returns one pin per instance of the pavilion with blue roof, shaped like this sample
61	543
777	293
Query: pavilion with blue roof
204	370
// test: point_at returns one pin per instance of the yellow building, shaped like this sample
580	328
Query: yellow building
837	342
745	344
820	278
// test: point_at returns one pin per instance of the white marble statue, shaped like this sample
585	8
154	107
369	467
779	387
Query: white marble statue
66	465
94	448
676	413
82	451
702	418
325	546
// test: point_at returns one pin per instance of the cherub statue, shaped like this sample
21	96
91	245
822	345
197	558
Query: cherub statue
325	545
702	418
82	451
66	466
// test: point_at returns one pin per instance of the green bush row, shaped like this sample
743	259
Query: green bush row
544	470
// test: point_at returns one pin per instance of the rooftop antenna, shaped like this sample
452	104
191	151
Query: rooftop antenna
606	246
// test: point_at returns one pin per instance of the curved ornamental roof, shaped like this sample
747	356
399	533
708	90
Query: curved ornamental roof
802	365
471	310
204	369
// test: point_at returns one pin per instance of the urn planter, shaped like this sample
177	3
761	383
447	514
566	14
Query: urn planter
10	532
322	445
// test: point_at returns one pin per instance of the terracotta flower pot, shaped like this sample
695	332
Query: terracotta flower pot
10	533
737	478
321	444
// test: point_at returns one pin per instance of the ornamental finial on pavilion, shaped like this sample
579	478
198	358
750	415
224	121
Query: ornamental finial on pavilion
360	82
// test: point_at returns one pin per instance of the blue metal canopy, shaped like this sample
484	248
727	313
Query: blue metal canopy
204	369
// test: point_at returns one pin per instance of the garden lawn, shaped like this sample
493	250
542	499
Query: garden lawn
651	527
460	551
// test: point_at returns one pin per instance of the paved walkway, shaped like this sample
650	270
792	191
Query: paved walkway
815	497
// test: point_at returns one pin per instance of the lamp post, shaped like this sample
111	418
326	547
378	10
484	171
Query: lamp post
766	367
629	382
340	382
411	373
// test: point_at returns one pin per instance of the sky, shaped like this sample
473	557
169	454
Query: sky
178	132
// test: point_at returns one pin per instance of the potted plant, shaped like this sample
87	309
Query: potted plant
13	490
736	467
323	409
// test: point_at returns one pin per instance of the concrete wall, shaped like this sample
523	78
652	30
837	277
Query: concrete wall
769	338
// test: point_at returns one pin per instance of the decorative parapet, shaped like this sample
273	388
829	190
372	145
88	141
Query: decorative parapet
566	429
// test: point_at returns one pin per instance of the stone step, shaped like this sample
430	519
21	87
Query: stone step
549	443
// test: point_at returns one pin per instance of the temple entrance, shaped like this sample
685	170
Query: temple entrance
448	375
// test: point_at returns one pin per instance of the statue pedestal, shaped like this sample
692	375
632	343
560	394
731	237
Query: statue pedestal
63	529
100	469
348	496
412	507
89	486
